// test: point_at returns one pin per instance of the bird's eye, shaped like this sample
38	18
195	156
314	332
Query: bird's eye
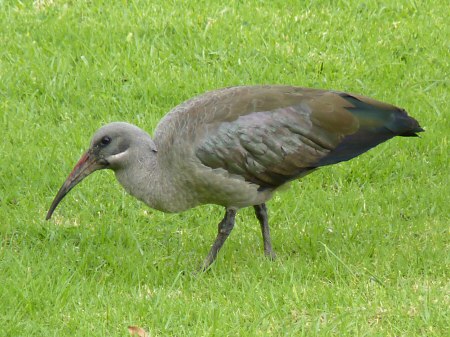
105	140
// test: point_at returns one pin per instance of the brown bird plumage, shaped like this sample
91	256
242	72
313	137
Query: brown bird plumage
235	146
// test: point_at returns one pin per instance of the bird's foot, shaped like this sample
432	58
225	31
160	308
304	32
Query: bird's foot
270	255
206	264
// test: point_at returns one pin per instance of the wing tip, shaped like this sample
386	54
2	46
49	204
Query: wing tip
413	133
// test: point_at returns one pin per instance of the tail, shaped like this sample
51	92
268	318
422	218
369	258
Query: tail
378	122
406	125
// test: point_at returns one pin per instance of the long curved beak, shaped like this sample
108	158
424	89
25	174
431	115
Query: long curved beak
87	164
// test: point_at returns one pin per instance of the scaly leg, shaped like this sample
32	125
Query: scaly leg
225	227
261	214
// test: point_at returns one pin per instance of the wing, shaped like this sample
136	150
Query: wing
270	135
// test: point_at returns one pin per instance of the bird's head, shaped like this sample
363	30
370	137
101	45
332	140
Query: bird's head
111	148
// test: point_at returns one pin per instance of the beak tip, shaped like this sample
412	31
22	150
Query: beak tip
49	214
85	166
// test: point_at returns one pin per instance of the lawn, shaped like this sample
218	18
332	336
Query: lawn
363	246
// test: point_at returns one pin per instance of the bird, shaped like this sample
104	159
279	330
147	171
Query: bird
236	146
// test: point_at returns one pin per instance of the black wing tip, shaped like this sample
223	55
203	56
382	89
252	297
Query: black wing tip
412	133
405	125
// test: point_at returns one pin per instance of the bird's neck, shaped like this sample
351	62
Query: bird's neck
148	181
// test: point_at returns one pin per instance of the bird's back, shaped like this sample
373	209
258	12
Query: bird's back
264	136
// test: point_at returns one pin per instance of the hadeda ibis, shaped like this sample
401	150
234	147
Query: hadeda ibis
236	146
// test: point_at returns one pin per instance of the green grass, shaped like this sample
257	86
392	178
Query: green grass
362	246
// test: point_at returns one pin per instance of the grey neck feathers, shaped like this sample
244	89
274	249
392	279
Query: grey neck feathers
143	177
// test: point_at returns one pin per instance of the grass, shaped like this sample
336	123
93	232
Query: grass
362	246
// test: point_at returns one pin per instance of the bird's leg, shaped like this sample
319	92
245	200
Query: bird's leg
261	214
225	227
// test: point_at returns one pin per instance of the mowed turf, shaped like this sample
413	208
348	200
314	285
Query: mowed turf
363	246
